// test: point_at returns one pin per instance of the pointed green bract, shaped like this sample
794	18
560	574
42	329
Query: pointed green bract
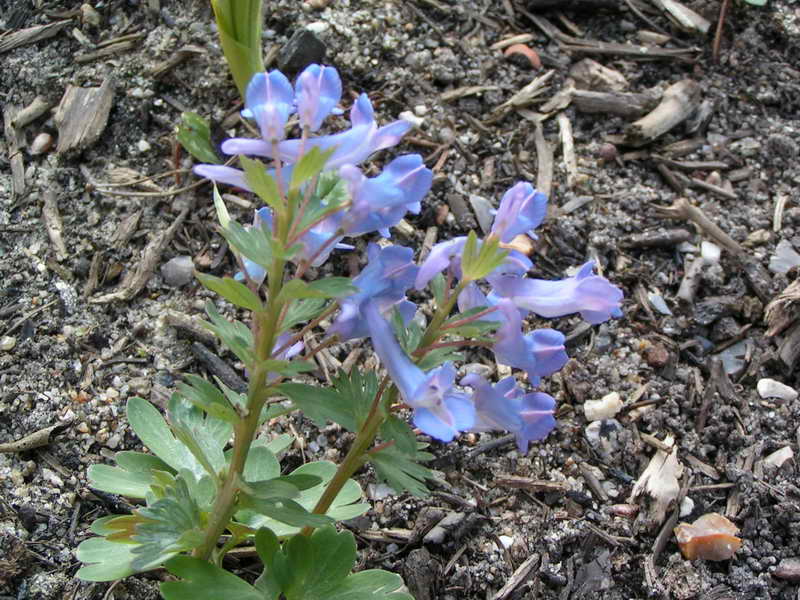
310	165
262	183
481	258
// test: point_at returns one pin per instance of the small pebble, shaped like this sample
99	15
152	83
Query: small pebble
710	537
90	15
656	356
788	569
178	271
41	144
769	388
143	146
608	152
605	408
7	343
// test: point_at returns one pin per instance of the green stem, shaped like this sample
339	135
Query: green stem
225	504
265	333
354	459
433	332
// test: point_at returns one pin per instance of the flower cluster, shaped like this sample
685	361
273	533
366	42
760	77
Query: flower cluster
490	279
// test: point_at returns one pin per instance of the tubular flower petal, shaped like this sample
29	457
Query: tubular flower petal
440	258
538	353
439	411
221	174
354	145
383	282
269	99
380	202
317	90
594	297
521	210
505	407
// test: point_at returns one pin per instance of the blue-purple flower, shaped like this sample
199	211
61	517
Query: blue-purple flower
505	407
317	91
439	410
383	282
447	255
540	352
594	297
269	100
521	210
353	146
379	203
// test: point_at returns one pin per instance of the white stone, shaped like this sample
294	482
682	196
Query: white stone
143	145
605	408
410	117
769	388
687	506
710	252
777	458
506	540
7	343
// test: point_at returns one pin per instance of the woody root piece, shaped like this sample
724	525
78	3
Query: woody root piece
679	102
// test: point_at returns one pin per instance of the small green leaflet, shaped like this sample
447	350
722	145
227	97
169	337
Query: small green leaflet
232	290
398	431
437	286
194	134
208	397
347	504
320	404
409	336
309	165
254	243
235	335
330	287
171	524
283	510
402	471
480	258
302	311
203	581
439	356
347	403
262	183
474	329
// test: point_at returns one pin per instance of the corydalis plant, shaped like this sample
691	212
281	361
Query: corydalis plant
215	481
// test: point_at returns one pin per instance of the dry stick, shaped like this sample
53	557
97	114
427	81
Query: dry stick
678	102
52	222
681	209
650	23
723	11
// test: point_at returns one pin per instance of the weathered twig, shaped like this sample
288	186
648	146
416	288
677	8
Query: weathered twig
682	210
678	103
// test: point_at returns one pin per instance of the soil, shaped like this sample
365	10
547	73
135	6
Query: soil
567	525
